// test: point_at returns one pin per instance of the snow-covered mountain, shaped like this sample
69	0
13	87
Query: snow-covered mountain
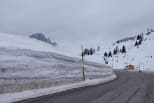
140	56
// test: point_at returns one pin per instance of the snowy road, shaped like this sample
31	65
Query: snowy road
130	87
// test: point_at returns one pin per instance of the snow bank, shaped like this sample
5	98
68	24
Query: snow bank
13	97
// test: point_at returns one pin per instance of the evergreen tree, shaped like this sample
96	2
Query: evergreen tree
136	43
115	51
140	42
110	54
105	54
42	37
91	51
123	49
138	37
86	51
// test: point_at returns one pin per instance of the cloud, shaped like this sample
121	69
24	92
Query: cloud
76	19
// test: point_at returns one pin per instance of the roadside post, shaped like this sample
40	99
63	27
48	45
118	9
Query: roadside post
117	61
112	61
83	69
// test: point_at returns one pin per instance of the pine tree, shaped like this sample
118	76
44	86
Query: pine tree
91	51
123	49
110	54
140	42
138	37
86	51
115	51
136	43
105	54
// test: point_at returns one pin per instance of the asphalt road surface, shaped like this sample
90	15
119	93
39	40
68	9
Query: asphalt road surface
129	87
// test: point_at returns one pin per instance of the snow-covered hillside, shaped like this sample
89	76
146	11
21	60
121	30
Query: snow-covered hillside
27	63
140	56
21	52
25	42
13	41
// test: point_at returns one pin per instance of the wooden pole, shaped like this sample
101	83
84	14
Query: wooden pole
83	69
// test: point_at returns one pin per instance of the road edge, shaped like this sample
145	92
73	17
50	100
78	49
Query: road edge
29	95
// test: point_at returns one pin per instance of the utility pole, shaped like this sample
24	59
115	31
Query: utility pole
83	69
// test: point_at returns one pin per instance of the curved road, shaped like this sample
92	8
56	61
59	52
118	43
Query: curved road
129	87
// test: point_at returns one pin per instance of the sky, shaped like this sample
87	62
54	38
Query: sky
74	20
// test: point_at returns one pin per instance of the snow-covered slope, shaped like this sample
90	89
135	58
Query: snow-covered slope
142	56
13	41
24	42
23	52
27	63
